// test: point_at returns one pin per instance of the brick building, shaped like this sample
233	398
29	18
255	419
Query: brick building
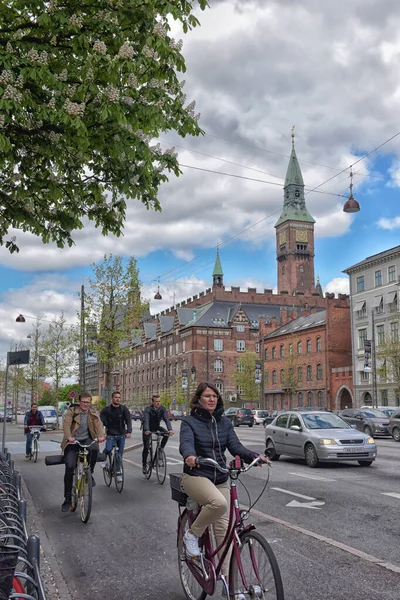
203	338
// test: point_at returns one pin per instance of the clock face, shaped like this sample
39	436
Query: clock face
301	235
282	238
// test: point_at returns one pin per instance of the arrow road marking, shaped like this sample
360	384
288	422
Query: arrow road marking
316	477
392	494
293	494
315	504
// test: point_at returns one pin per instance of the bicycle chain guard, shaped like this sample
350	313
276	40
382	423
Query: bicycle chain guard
203	571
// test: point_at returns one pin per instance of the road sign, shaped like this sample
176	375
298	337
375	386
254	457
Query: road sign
72	394
18	358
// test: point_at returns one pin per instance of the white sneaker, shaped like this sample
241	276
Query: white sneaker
119	478
191	542
103	464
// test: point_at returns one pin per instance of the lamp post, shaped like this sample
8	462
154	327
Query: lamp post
20	357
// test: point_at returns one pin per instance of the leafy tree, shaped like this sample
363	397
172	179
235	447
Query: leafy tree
59	348
33	372
47	398
84	88
245	376
389	353
65	390
114	308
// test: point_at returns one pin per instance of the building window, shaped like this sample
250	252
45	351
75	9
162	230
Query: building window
362	336
266	353
300	397
290	349
274	376
378	309
240	390
267	377
320	399
218	345
154	355
273	352
275	401
184	346
283	268
239	367
240	345
218	366
380	334
257	347
364	376
394	331
159	353
301	269
282	351
282	375
309	396
300	373
299	348
393	305
319	346
164	370
309	373
165	351
319	371
170	369
384	397
308	346
220	386
177	348
378	278
392	273
360	283
240	328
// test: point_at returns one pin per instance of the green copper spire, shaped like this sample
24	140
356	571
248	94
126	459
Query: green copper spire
294	206
218	274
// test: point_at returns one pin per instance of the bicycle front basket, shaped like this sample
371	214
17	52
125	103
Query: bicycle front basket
177	493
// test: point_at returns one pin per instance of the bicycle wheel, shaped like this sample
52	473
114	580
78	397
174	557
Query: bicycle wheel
261	575
118	473
149	464
108	470
192	589
161	465
35	449
85	495
74	493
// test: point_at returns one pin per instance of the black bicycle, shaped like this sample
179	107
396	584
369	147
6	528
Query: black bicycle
114	467
156	457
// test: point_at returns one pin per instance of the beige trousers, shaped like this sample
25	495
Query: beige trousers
215	502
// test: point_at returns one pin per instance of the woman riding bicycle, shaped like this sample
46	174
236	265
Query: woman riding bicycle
207	433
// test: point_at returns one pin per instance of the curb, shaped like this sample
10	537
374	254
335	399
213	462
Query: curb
133	447
55	585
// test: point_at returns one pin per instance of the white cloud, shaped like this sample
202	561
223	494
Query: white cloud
389	223
338	285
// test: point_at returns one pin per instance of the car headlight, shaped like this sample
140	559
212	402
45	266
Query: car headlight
370	441
326	442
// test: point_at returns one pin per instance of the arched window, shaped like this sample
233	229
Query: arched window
309	395
300	396
273	352
300	373
318	344
301	268
218	366
290	349
274	376
308	346
282	375
282	351
309	373
299	348
220	386
266	354
319	371
275	401
239	366
320	398
158	371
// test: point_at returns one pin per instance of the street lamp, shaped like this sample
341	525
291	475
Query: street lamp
20	319
351	205
158	295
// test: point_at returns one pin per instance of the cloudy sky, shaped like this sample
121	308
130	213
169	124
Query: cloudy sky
255	69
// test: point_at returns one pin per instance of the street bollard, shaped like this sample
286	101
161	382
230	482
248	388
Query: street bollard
8	457
22	509
33	549
16	480
11	465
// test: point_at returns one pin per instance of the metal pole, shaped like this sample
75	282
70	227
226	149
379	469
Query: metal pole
3	443
83	349
373	357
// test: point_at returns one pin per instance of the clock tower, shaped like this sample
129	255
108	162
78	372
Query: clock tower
295	235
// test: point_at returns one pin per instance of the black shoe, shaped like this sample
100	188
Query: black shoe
144	470
66	505
93	482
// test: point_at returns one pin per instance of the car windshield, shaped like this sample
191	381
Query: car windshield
325	421
262	413
246	412
49	413
373	414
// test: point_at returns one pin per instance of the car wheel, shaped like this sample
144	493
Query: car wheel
368	430
251	424
365	463
311	457
396	434
270	451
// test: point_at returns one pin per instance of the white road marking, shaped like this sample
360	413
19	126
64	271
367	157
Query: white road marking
316	477
392	494
315	504
293	494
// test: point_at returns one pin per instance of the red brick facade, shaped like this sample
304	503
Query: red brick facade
295	256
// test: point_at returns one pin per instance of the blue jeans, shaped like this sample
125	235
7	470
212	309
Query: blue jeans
29	437
120	442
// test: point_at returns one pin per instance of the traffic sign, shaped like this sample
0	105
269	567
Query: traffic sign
72	394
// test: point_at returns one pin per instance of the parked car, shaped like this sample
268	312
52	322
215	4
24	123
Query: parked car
136	414
240	416
369	420
272	416
260	416
50	416
176	415
318	436
394	425
388	410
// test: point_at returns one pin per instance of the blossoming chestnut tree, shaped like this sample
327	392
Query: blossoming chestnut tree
84	88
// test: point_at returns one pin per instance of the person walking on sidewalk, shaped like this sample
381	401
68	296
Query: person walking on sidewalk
117	421
33	418
153	415
81	423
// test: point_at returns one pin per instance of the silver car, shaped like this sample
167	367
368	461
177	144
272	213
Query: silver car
318	436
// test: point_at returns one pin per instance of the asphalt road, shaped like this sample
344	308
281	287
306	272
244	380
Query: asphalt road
334	529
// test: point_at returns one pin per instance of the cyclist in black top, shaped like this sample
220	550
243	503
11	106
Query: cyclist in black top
153	415
117	421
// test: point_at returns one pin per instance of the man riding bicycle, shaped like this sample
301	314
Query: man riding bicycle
33	418
81	423
117	421
153	415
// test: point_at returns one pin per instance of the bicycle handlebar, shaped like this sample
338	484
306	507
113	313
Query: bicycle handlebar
84	445
34	428
210	461
115	437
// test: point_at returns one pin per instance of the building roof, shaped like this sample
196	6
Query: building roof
293	173
166	323
372	259
300	324
217	267
150	330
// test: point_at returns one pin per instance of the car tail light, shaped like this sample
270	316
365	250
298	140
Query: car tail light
239	415
389	421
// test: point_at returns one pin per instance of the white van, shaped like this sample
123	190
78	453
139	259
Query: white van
50	416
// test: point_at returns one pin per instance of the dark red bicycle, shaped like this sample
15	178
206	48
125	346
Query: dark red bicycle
253	573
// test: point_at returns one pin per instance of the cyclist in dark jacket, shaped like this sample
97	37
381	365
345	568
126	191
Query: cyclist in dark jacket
117	421
207	433
152	417
33	418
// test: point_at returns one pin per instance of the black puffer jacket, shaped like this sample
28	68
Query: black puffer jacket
209	436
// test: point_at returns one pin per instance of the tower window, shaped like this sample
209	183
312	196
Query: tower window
283	270
301	269
301	247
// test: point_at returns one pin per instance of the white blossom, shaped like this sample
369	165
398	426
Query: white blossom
33	55
135	179
11	93
128	127
9	47
176	45
132	81
100	47
126	51
171	152
74	109
52	102
63	76
76	21
160	30
127	100
6	77
149	52
71	91
54	137
53	41
19	82
112	93
2	121
89	74
156	149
